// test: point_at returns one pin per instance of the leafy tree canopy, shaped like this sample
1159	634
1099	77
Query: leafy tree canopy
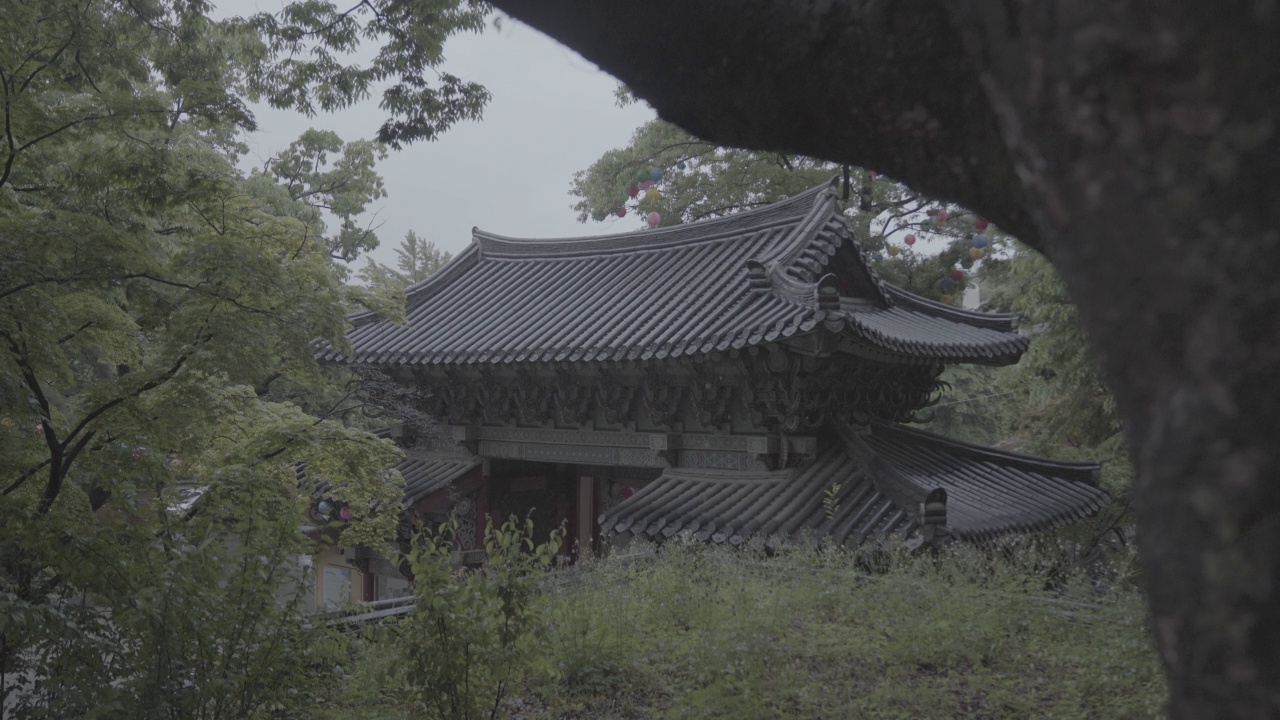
158	317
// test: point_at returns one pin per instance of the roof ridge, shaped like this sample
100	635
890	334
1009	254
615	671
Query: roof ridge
788	210
1004	322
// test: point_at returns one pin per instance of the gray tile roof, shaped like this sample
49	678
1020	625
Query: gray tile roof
423	475
736	281
883	474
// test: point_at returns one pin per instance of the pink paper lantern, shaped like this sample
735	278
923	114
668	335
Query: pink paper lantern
646	184
653	219
980	224
345	514
621	211
941	217
909	240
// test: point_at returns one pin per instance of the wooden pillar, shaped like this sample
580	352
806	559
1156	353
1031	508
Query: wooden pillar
586	515
366	586
601	493
484	499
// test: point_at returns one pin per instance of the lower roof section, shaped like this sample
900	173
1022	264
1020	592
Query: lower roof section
423	475
873	481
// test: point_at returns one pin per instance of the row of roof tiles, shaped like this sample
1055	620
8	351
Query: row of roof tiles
673	292
882	476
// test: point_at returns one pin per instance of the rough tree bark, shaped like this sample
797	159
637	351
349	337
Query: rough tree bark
1134	143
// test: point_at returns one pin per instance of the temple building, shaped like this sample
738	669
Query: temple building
745	376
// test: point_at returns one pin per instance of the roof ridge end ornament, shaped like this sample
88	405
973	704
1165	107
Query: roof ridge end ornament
827	292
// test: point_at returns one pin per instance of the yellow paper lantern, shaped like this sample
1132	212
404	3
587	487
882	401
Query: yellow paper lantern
894	250
652	194
976	253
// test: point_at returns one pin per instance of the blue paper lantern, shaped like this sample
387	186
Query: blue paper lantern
979	240
876	256
325	507
680	165
947	284
655	174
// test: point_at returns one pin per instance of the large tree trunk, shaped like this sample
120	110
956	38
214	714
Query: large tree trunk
1137	145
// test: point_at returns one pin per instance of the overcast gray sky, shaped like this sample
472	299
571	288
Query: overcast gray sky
552	114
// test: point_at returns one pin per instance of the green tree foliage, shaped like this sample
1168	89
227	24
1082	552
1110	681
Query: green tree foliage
416	259
158	318
472	632
1062	404
296	60
700	180
320	173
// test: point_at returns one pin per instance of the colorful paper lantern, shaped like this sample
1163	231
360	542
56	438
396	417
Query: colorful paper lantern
621	211
653	219
325	507
652	195
966	263
980	223
957	275
641	176
646	184
941	217
947	284
979	240
345	514
680	165
655	174
872	174
894	250
876	256
976	253
909	240
633	191
627	492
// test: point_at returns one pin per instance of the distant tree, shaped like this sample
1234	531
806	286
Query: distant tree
416	259
700	180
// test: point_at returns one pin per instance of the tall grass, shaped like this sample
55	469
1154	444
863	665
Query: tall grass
692	631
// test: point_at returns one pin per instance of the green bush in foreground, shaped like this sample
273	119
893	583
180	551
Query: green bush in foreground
471	633
691	631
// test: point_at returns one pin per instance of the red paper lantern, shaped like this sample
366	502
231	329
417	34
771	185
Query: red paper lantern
627	492
633	191
957	275
621	211
980	224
